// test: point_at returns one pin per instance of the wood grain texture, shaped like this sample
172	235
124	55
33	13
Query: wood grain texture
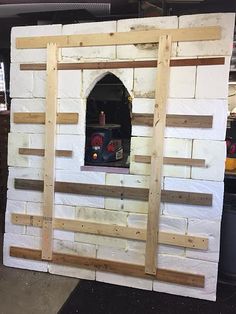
120	192
121	38
49	153
159	123
135	270
138	234
175	120
39	118
123	64
172	161
41	152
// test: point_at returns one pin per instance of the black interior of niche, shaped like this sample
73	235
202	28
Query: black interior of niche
111	96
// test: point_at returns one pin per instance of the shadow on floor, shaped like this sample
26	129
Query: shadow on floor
91	297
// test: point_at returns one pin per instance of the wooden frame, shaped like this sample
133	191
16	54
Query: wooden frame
168	196
133	270
122	38
159	123
49	159
123	64
138	234
155	195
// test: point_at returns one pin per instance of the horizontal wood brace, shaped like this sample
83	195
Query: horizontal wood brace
39	118
134	270
41	152
175	120
122	192
123	64
121	38
110	230
172	161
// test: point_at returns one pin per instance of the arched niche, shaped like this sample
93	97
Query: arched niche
109	95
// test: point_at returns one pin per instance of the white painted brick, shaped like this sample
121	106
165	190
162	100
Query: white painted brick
209	229
166	224
195	211
15	141
69	84
127	204
65	142
207	87
182	82
142	51
101	52
74	272
214	152
80	177
101	240
134	181
128	281
215	107
81	249
91	77
143	105
14	207
76	106
145	82
27	105
34	209
24	195
67	212
101	216
120	255
21	82
208	269
31	55
213	47
23	241
173	147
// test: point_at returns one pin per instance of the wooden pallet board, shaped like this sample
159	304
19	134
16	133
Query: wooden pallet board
173	161
135	270
41	152
39	118
49	155
120	38
138	234
123	64
122	192
175	120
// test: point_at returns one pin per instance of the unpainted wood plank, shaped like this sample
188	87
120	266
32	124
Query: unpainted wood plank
168	196
135	270
159	123
172	161
123	64
138	234
121	38
41	152
39	118
49	154
175	120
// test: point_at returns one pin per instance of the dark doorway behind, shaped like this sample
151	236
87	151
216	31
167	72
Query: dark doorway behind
110	97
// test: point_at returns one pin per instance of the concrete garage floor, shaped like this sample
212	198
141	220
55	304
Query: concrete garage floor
29	292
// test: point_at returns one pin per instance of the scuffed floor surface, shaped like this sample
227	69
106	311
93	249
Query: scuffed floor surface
99	298
29	292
